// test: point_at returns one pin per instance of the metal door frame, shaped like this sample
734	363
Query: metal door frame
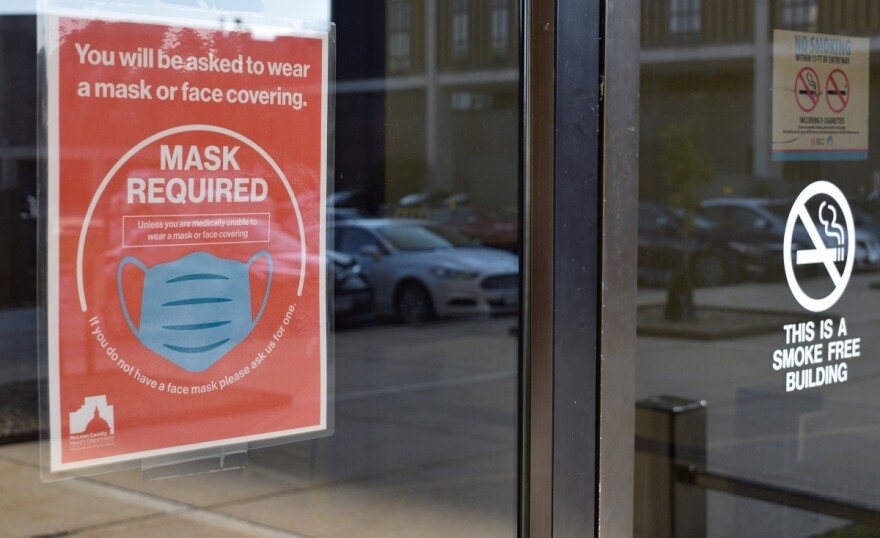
580	140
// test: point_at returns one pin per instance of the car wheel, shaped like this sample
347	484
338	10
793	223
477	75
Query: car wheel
708	270
414	303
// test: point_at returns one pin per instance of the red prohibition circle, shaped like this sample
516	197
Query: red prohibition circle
806	89
837	90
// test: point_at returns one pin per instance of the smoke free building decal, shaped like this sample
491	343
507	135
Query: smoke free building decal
817	353
187	184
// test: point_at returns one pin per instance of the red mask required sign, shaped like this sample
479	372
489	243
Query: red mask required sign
186	277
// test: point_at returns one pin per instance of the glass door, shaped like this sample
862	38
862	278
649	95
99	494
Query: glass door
758	258
423	214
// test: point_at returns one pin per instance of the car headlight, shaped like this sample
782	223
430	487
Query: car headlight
458	274
748	249
343	272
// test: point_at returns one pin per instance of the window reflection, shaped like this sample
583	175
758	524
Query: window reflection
18	222
500	33
799	13
399	27
684	16
459	29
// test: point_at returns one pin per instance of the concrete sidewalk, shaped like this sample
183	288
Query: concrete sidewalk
256	501
424	445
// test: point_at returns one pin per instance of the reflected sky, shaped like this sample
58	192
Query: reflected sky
310	10
17	7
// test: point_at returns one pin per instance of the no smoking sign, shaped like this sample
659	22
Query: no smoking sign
837	90
831	231
807	90
821	94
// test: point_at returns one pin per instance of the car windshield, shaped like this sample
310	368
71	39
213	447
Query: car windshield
423	237
779	209
862	218
699	220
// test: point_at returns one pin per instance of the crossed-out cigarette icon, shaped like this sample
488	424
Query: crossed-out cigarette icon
822	253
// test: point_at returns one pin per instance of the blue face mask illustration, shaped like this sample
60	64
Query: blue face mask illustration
195	309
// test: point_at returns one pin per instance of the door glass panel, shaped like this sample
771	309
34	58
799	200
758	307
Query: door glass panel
758	409
423	218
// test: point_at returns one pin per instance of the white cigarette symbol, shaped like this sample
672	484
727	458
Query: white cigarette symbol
821	254
805	257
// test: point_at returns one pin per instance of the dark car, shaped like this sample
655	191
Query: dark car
18	232
352	294
755	215
716	255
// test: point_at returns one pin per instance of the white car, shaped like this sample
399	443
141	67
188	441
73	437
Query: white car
420	270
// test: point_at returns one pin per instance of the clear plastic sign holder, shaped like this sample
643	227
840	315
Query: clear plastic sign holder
261	48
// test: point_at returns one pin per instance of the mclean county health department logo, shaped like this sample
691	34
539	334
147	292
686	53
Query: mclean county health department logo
822	215
92	425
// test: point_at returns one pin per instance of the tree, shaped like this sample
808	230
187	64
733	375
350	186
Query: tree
686	165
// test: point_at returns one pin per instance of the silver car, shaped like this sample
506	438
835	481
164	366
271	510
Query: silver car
419	270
